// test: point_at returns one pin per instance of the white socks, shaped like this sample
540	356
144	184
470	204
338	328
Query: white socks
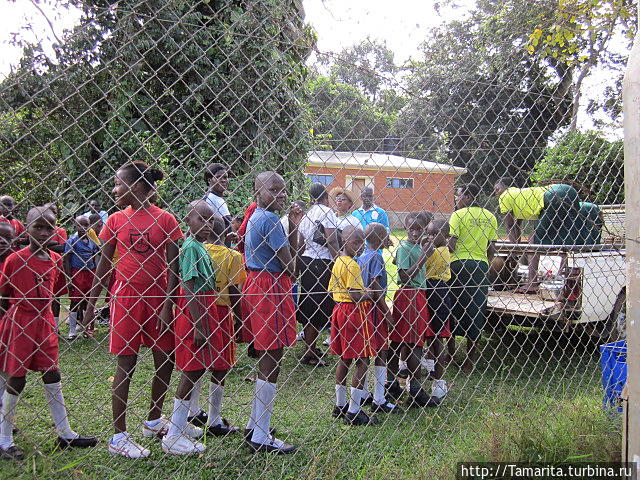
179	417
439	388
194	404
252	418
265	396
341	396
354	400
7	417
73	322
365	387
57	320
3	387
55	400
215	404
378	389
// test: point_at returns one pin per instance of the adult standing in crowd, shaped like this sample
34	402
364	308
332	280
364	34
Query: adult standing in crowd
369	212
557	210
216	177
95	207
318	231
473	231
346	202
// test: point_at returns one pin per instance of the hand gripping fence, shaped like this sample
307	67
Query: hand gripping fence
220	243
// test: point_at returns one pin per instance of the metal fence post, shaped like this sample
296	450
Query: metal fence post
631	102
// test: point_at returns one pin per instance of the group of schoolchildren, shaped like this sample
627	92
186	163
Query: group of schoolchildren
187	299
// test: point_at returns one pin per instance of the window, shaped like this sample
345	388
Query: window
399	182
318	178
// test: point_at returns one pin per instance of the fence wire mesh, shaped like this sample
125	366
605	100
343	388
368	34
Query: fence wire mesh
195	193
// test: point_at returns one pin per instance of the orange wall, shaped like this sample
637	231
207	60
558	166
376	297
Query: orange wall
431	191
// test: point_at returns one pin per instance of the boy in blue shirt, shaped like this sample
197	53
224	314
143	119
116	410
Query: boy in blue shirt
80	262
271	263
374	277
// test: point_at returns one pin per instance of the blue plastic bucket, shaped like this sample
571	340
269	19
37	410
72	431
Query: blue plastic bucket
613	360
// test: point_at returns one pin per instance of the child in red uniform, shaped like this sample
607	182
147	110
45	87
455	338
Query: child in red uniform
270	259
143	295
80	255
352	330
7	238
7	206
27	332
230	275
197	329
410	316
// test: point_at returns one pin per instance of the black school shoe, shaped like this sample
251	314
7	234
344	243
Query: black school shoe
11	453
222	430
385	408
358	419
418	398
340	412
403	374
248	433
79	442
199	420
393	391
271	448
367	401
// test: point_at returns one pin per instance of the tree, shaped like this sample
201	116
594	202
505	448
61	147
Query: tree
478	96
344	119
174	82
588	160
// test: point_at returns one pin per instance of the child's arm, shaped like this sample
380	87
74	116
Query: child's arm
358	296
379	294
197	311
491	251
56	247
66	259
288	255
100	282
407	274
166	315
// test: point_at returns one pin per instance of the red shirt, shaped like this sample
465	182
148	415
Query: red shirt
141	237
30	282
243	227
17	225
60	236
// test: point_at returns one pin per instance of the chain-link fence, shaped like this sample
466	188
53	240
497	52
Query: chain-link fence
221	241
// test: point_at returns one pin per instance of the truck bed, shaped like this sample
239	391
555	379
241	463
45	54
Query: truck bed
509	302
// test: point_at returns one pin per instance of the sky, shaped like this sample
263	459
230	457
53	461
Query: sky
402	24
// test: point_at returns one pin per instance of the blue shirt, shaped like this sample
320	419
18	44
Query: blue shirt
374	214
82	252
264	237
372	265
103	215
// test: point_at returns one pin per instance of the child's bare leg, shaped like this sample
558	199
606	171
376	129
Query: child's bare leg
187	380
413	362
163	363
472	356
342	370
120	390
437	351
393	359
451	347
362	364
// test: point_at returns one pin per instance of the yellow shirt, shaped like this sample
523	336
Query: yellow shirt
91	233
523	203
229	270
345	276
474	228
437	264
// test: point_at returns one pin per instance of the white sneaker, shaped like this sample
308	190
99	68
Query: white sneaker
158	430
439	389
181	445
126	447
300	336
193	432
402	365
327	342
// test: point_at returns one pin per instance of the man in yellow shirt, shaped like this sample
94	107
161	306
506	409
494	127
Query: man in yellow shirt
473	231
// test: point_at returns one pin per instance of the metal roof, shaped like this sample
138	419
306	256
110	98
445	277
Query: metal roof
379	161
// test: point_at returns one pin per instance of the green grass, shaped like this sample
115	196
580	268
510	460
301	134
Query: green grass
535	397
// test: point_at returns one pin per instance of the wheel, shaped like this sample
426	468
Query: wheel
614	328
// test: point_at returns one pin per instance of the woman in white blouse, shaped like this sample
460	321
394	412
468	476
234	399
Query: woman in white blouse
346	202
315	303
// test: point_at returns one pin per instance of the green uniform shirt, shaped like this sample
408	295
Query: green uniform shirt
195	264
475	228
406	256
523	203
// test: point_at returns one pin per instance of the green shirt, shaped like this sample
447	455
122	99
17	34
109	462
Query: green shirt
406	256
523	203
474	228
195	264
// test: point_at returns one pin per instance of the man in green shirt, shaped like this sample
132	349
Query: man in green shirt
473	231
